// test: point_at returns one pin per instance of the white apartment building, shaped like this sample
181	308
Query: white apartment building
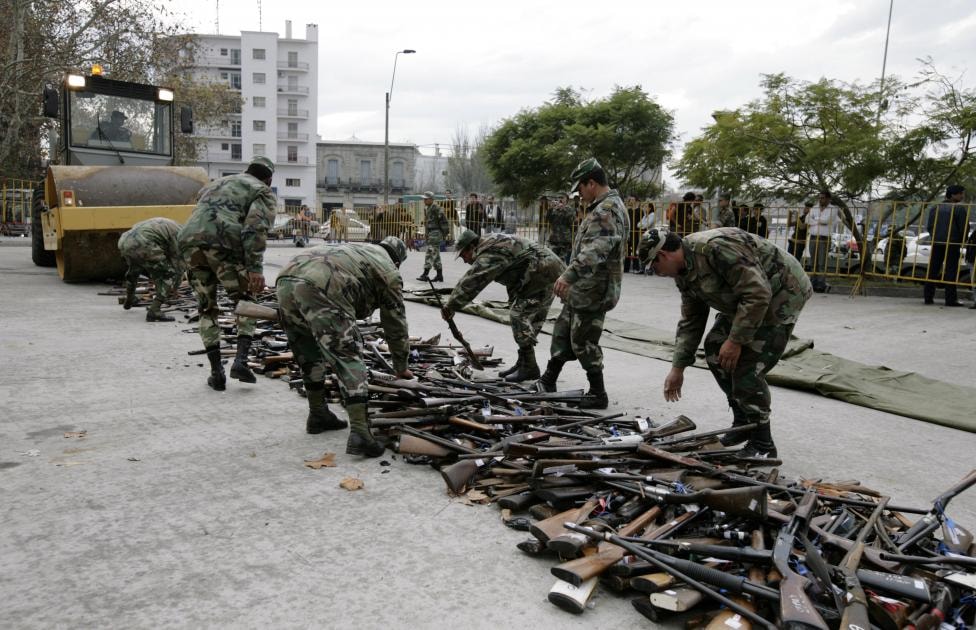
278	81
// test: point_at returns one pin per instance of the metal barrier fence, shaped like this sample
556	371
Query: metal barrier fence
16	199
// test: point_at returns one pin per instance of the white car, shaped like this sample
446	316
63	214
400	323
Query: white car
915	262
356	230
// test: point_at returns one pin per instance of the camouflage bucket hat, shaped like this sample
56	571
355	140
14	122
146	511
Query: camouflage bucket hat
464	241
395	246
584	168
650	244
265	162
428	195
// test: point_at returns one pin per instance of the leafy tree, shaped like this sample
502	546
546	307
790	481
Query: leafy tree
536	150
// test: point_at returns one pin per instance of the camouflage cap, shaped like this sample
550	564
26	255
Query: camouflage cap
650	244
428	195
464	240
396	248
585	167
263	161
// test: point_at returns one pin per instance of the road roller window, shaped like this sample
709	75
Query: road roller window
119	123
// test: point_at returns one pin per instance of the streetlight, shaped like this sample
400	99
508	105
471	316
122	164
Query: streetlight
386	134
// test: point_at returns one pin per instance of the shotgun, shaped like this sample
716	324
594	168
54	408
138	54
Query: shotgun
455	330
795	608
749	502
935	517
855	613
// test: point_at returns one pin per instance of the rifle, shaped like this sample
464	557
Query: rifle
256	311
796	609
747	501
455	330
855	613
936	516
576	394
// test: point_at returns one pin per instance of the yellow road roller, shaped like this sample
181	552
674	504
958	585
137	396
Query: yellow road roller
113	167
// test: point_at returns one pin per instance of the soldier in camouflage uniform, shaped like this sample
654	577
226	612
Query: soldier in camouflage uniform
724	215
758	290
321	294
224	242
437	229
528	270
590	286
561	218
150	248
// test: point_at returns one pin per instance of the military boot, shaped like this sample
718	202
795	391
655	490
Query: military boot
240	370
361	441
547	382
596	397
440	276
130	295
217	380
528	368
760	444
158	316
424	277
320	417
738	419
512	369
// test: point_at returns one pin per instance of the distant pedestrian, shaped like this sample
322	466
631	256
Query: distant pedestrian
947	225
796	236
821	223
474	214
494	215
436	228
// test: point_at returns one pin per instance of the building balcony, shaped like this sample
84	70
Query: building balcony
355	184
219	134
290	135
292	89
293	65
221	156
216	61
295	159
288	112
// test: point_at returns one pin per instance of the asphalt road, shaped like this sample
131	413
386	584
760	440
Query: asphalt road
181	506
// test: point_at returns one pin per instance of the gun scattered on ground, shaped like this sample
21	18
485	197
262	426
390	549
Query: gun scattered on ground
455	331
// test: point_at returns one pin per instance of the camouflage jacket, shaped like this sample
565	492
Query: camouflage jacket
153	234
597	265
234	214
725	217
523	267
561	220
745	277
436	221
358	278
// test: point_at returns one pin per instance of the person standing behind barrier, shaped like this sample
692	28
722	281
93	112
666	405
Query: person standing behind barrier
474	214
437	229
223	242
150	248
754	222
494	215
590	286
946	225
680	221
821	223
723	216
561	218
797	231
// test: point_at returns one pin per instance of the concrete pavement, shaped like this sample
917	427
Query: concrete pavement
186	507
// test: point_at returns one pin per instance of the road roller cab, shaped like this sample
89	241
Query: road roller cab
112	167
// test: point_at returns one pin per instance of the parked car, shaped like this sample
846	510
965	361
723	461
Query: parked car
357	230
915	262
285	226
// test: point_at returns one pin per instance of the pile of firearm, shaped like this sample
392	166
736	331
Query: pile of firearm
658	511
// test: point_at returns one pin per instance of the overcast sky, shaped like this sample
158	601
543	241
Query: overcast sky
480	62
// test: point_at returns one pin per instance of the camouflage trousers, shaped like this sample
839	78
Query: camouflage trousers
527	314
207	268
322	336
155	265
563	250
746	387
432	257
576	335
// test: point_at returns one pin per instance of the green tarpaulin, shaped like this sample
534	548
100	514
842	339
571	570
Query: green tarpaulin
802	367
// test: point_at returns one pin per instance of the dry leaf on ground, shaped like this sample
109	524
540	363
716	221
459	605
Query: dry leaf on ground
351	483
75	434
326	461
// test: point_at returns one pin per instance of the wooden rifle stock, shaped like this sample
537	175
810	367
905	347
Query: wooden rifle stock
455	330
551	527
253	310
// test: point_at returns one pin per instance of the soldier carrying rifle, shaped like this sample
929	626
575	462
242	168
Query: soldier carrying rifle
758	291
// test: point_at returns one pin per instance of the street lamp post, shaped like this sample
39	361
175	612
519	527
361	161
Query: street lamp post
386	134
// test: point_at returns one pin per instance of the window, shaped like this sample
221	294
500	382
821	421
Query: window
258	149
365	171
293	181
292	83
292	154
258	78
257	53
235	56
225	146
259	101
223	52
259	125
235	80
293	130
293	204
225	76
235	129
235	151
396	179
292	59
332	172
293	107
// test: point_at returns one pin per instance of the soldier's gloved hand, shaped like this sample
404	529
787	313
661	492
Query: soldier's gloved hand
447	314
406	374
255	282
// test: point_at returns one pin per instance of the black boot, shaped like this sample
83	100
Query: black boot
217	380
738	419
424	277
158	316
528	369
130	295
440	276
760	444
596	398
547	382
320	417
361	441
240	370
512	369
